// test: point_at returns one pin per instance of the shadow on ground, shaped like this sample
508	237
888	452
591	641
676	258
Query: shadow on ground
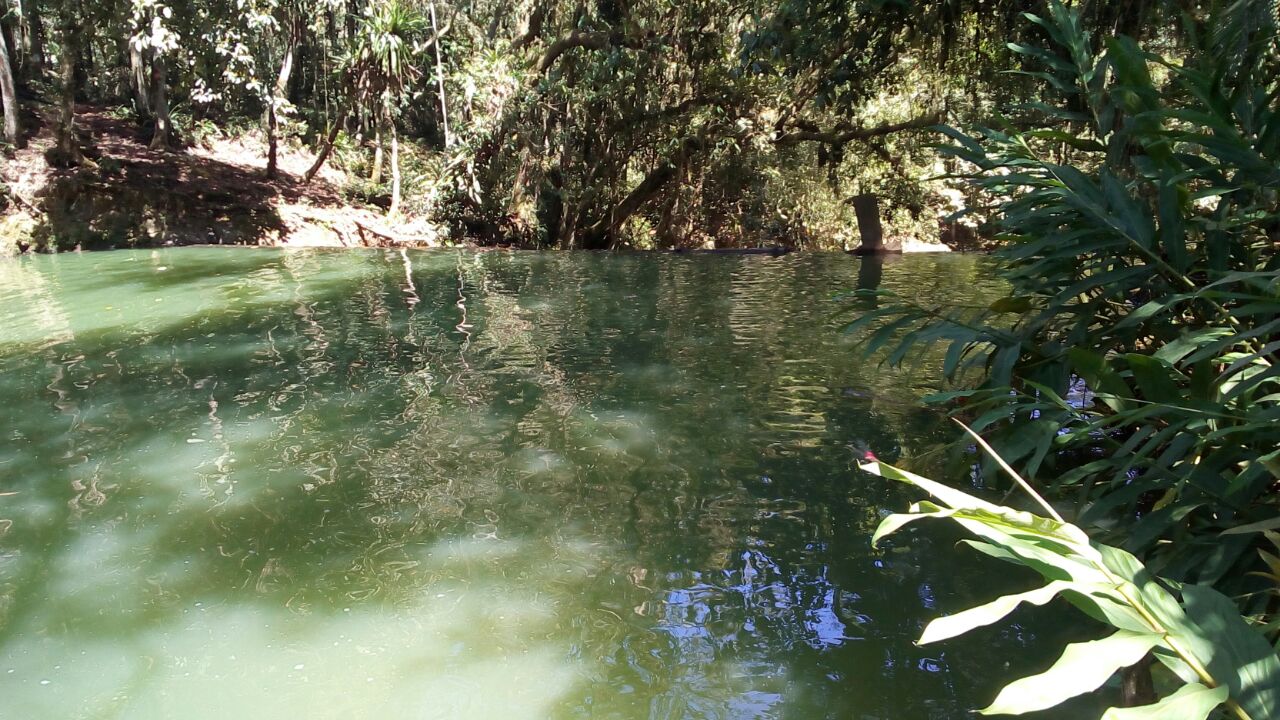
131	195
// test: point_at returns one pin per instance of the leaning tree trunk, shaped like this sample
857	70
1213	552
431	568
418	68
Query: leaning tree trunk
279	90
327	147
272	142
9	97
286	67
160	103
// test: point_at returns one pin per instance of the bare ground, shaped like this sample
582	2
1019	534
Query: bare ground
129	194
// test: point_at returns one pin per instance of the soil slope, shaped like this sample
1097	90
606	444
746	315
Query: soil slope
130	195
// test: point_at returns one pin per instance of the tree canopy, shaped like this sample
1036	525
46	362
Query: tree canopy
572	124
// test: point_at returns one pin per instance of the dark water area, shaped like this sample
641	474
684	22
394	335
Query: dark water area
306	484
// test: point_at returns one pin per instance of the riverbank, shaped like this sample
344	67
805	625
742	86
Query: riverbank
214	191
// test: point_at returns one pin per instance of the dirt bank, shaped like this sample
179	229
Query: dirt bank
215	192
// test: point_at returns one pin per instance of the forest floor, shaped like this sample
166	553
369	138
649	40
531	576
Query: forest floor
213	192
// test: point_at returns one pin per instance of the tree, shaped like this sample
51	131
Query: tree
382	68
9	96
584	124
153	41
66	152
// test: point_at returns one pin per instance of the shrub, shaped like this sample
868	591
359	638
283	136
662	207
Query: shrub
1133	364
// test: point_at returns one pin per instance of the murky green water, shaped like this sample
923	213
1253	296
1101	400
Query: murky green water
264	484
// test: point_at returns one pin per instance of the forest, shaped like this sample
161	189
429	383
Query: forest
539	124
1088	392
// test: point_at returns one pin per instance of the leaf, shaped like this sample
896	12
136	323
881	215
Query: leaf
1155	600
1081	668
1011	305
1150	310
1260	526
1154	378
1172	231
1236	654
1190	702
1187	344
950	496
896	522
945	397
1093	368
949	626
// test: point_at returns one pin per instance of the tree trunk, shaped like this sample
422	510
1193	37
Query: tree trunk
279	90
272	142
870	274
867	208
33	64
375	173
444	106
66	152
85	76
11	35
532	25
138	81
327	147
286	68
394	210
9	98
601	236
160	103
1136	686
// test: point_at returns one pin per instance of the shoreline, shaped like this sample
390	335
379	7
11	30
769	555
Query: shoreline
471	247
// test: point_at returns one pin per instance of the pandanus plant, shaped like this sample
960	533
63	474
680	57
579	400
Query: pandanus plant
382	63
378	70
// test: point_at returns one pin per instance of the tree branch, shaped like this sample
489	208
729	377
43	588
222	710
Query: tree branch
649	187
840	137
532	26
594	40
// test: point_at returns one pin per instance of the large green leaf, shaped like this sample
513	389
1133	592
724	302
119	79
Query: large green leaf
1237	654
1155	379
949	626
1083	667
1191	702
952	497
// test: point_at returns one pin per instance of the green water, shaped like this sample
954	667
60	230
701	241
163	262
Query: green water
266	484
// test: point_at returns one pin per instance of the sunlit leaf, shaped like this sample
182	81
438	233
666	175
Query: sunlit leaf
1190	702
1081	668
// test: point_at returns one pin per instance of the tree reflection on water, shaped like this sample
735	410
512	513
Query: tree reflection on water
619	486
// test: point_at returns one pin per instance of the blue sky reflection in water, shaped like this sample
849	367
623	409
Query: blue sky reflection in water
275	484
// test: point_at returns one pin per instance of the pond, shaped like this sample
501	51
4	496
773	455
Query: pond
385	484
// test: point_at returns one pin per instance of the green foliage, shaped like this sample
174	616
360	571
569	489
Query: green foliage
1134	363
198	131
1193	630
596	123
381	58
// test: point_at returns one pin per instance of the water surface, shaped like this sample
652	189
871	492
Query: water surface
285	484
